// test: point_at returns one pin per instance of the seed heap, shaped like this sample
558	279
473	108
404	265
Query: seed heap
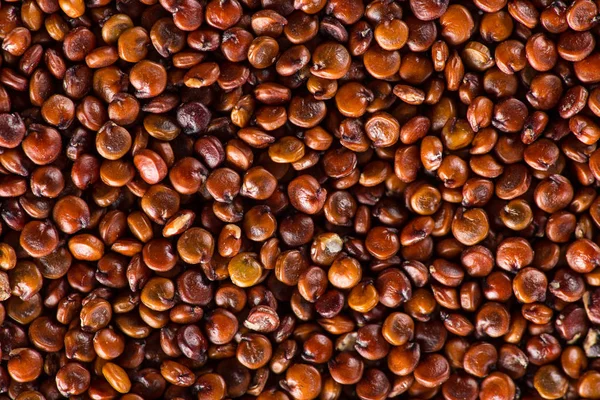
299	199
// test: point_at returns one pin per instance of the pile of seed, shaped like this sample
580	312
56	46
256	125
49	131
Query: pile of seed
299	199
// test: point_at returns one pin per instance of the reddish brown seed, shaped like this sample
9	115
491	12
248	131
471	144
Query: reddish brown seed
279	199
